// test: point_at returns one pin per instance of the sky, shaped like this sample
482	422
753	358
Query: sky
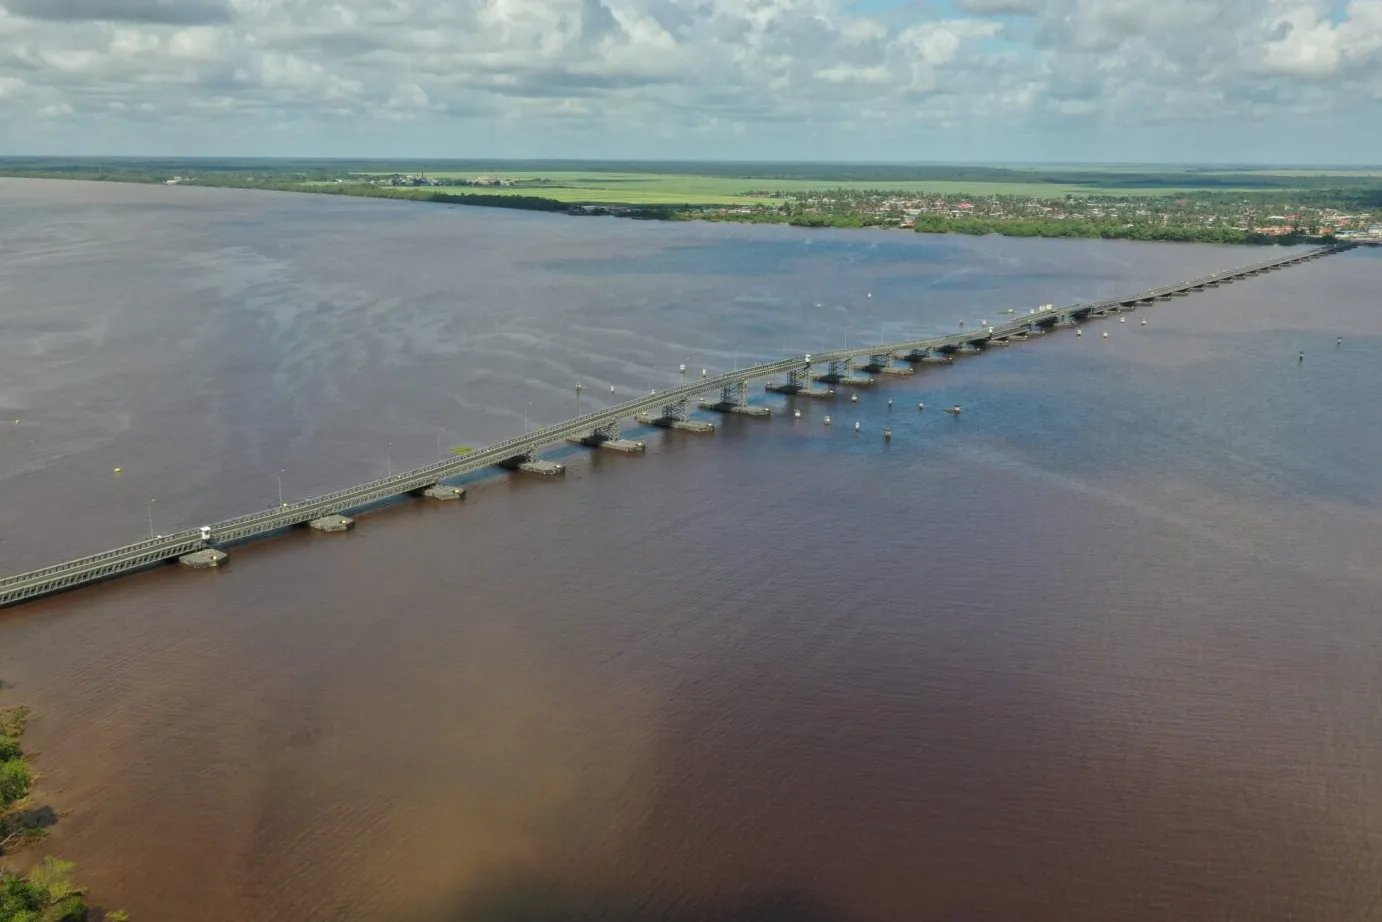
1007	81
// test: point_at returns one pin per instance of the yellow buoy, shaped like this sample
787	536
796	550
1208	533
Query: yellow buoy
117	470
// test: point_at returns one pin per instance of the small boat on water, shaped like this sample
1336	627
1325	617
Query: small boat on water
956	410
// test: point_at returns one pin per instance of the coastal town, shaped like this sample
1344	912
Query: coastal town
1243	215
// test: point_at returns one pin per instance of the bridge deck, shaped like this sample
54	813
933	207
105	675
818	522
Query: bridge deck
25	586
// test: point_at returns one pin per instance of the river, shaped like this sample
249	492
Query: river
1107	646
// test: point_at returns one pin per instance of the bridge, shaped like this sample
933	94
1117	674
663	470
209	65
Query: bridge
203	546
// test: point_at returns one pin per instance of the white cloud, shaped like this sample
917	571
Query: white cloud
993	7
1306	43
666	77
151	11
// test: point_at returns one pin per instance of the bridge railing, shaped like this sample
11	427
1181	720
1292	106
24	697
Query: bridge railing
125	551
418	478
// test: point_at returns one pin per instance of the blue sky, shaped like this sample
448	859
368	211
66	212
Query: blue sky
1206	81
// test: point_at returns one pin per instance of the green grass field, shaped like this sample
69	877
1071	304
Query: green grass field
673	189
674	183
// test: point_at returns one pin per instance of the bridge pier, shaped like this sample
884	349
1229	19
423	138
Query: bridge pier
882	363
205	559
676	415
334	523
542	468
441	491
804	382
734	398
928	356
607	436
799	382
529	463
841	371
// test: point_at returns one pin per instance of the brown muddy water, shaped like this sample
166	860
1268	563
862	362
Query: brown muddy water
1107	647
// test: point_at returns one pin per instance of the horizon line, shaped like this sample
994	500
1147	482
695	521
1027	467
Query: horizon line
1010	164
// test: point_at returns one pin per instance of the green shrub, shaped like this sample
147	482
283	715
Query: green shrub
46	895
13	720
15	779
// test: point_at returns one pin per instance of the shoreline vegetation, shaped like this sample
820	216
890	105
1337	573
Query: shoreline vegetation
1189	204
46	892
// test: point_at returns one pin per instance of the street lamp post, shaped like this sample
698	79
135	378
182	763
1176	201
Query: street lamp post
388	458
578	398
151	518
526	407
280	488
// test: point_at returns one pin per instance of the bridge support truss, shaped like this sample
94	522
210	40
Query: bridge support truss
735	395
678	412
